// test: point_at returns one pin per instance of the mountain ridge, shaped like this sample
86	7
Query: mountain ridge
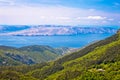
29	54
48	30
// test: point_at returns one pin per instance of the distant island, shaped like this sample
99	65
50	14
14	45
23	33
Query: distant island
48	30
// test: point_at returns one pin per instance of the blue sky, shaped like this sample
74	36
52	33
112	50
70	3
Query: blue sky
60	12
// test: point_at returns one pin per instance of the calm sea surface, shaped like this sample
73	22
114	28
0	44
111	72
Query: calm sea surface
54	41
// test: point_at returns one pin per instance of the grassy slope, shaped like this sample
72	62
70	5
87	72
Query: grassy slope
105	57
5	60
78	65
8	55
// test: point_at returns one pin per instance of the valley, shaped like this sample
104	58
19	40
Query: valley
30	54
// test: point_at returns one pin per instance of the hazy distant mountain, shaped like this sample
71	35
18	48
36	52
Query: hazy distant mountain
12	28
52	30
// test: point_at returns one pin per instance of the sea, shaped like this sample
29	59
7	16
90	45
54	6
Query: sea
73	41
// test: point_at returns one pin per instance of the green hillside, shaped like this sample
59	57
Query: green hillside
98	61
29	54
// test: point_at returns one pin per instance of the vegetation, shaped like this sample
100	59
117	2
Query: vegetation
29	54
98	61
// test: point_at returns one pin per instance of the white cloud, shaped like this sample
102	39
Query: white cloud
92	18
42	17
80	18
104	21
96	17
110	19
63	18
51	15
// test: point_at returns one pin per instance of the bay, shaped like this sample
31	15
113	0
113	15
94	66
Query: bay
73	41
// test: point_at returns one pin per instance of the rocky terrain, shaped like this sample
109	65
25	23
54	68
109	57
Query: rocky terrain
53	30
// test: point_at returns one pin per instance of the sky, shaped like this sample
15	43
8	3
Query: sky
60	12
